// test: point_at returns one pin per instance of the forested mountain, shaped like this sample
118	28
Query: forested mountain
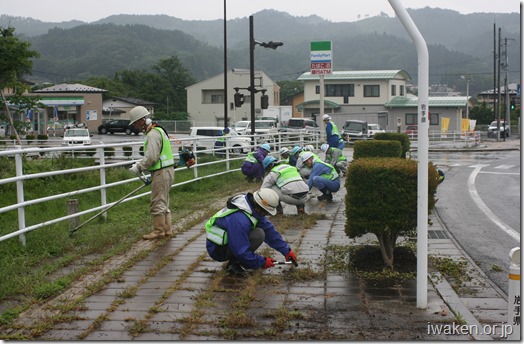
458	44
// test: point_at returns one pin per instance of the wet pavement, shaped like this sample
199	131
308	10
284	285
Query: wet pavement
171	290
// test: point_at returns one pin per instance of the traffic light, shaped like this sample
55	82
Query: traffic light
264	101
512	105
239	99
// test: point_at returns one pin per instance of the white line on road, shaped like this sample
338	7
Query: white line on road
494	218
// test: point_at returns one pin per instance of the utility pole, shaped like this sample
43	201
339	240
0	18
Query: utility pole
506	90
498	89
495	116
226	103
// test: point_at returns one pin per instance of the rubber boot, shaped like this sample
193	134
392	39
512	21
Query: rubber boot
301	210
168	231
280	210
159	222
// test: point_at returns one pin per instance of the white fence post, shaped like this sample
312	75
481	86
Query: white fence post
20	194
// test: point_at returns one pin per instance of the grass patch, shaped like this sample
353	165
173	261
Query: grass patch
52	259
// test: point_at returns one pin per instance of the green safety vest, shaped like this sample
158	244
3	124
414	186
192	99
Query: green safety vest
287	174
341	156
251	158
334	129
219	235
166	154
330	176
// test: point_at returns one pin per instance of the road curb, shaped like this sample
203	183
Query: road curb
454	303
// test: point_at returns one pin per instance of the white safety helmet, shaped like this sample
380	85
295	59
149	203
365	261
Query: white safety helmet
267	199
324	147
309	148
306	156
136	113
326	117
284	150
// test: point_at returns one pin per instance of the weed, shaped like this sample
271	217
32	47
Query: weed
456	271
496	268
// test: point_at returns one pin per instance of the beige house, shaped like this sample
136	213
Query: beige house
70	104
119	107
205	99
375	96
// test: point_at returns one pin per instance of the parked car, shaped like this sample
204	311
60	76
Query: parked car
76	137
412	130
303	125
504	130
354	130
265	130
118	126
206	136
374	129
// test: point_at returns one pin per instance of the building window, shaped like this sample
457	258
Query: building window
434	119
411	119
217	99
401	93
393	90
371	91
337	90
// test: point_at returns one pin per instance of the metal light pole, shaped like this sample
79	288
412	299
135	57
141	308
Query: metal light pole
226	103
252	90
467	94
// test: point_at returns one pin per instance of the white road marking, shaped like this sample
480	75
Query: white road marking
505	167
476	198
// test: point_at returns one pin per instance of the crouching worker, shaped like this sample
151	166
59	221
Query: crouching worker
323	176
286	181
237	231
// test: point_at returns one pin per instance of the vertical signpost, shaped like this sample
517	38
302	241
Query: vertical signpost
321	58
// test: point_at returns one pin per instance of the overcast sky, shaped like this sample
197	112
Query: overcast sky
334	10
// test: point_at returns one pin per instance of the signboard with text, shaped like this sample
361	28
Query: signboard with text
321	57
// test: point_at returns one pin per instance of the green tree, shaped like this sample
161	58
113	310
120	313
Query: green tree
289	88
15	62
482	113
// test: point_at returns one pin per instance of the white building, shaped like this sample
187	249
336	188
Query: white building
205	99
375	96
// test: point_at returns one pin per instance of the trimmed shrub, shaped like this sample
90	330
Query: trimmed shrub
42	137
377	149
29	138
127	150
109	151
382	199
401	137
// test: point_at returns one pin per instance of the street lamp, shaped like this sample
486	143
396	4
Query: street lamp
252	91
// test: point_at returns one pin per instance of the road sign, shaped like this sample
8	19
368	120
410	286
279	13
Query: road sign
321	57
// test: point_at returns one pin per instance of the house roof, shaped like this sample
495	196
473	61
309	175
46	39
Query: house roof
70	88
134	101
358	75
396	102
327	103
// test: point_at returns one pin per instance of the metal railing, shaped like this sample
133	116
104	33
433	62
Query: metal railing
109	156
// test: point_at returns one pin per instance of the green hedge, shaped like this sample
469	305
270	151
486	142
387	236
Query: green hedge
382	199
376	149
401	137
128	150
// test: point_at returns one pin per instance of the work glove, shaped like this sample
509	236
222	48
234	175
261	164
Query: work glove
134	169
270	262
291	256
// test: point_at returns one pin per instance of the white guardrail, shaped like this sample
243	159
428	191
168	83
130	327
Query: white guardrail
116	160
